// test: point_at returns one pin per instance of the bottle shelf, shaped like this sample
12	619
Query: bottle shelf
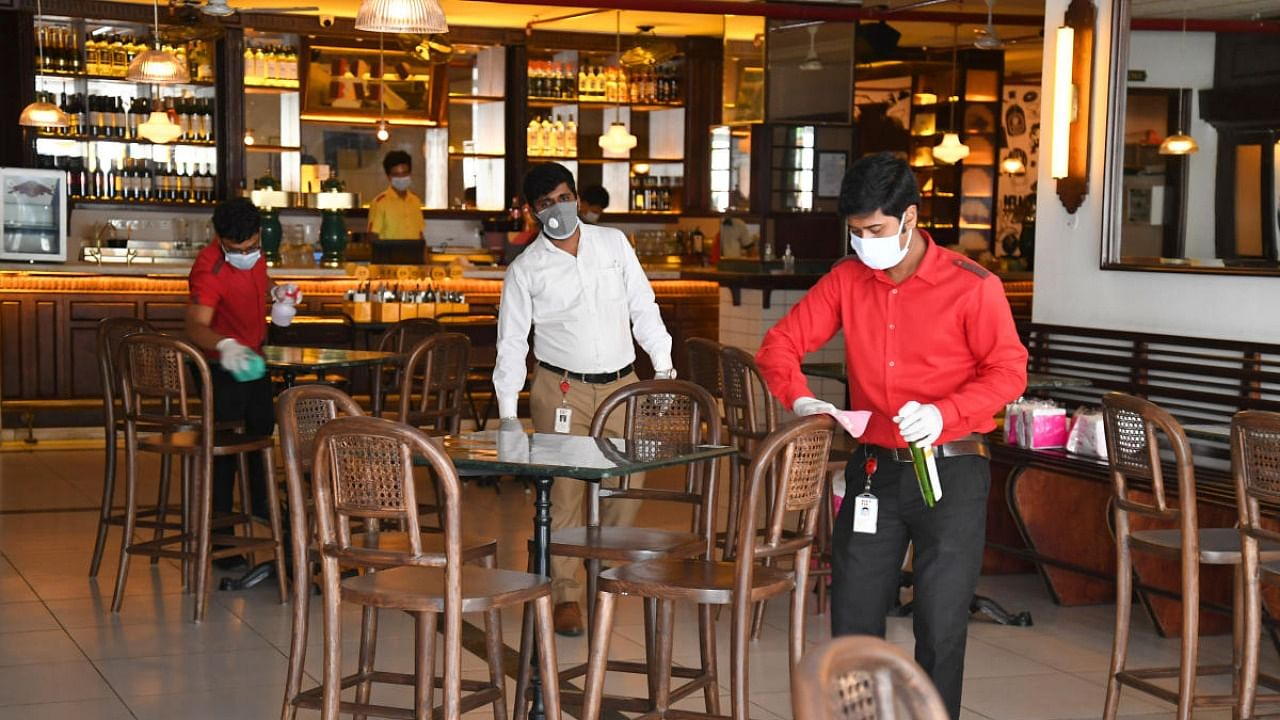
115	79
126	141
272	148
634	159
468	99
98	202
270	89
594	103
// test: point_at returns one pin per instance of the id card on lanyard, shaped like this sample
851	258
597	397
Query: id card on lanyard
866	507
564	413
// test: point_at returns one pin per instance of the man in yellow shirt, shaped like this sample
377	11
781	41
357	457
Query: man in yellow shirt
396	213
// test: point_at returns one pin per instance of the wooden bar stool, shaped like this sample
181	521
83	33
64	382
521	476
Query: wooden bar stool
793	460
363	470
861	677
1134	427
750	414
300	412
110	332
704	365
657	413
158	370
1255	462
399	338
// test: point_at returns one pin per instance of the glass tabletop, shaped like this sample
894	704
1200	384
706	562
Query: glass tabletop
279	357
577	456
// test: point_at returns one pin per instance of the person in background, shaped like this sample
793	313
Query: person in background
592	202
396	213
581	289
226	319
933	353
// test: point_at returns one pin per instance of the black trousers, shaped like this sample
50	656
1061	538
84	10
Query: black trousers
948	542
250	402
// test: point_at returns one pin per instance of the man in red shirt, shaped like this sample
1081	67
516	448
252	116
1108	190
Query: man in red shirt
226	319
932	351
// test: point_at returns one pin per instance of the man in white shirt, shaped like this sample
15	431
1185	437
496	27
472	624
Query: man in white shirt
582	290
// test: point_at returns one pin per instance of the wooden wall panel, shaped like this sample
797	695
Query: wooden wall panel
83	361
45	358
11	327
93	311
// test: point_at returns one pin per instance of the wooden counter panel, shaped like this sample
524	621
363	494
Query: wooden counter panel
11	332
47	359
161	310
95	311
1065	518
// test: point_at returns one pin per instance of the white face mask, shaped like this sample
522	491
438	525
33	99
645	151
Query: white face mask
560	220
591	216
243	261
881	253
401	183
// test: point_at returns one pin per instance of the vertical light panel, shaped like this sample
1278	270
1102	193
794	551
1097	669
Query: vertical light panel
1062	102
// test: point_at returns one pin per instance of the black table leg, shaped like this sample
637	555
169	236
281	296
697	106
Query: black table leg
541	566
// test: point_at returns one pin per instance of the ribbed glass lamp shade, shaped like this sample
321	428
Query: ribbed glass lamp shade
423	17
1179	144
950	150
159	129
43	114
617	139
157	67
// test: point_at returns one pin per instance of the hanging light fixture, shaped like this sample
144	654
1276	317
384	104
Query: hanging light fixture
951	150
1180	143
156	66
384	133
159	128
617	139
249	139
423	17
41	113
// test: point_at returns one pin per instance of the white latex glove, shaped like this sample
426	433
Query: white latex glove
233	356
919	424
287	293
811	406
668	374
510	424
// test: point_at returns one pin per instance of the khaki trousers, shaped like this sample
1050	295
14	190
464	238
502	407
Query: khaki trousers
567	494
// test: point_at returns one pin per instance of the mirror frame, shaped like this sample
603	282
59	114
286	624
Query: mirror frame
1113	157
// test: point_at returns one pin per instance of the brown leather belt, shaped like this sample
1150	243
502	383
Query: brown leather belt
974	444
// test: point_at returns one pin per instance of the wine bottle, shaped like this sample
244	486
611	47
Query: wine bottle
571	137
926	468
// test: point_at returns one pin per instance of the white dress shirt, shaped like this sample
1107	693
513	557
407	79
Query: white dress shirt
583	311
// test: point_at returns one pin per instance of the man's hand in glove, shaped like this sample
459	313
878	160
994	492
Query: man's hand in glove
919	424
286	293
667	374
812	406
510	424
233	356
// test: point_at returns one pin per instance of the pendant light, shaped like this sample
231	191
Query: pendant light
383	133
156	66
421	17
617	139
951	150
41	113
159	128
1180	143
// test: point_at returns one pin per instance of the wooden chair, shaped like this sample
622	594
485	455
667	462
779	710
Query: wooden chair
1255	463
1133	428
363	469
862	677
300	413
433	384
657	413
793	460
111	331
399	338
158	370
704	365
750	415
480	325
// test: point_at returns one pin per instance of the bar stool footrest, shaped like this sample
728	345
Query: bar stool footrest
1141	680
482	694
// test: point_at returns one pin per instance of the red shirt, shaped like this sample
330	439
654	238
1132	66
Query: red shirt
238	297
945	336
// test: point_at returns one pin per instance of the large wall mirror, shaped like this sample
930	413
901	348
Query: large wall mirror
1215	210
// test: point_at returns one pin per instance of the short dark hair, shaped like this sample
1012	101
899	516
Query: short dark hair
545	177
236	220
881	182
394	158
595	195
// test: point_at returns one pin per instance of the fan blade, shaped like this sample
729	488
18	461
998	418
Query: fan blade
278	11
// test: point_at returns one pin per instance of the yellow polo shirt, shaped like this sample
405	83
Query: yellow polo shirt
396	218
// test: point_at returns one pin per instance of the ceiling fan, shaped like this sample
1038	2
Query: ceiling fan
432	49
648	49
221	8
987	38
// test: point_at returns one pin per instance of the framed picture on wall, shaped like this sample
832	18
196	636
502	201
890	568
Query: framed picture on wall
830	173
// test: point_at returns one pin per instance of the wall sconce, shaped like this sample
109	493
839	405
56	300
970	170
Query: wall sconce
1073	103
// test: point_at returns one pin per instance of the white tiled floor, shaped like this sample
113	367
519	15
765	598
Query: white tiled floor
63	654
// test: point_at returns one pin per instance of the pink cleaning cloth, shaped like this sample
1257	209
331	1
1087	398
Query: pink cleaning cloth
854	422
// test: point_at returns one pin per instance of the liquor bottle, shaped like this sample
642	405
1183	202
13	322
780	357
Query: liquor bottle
637	194
557	138
571	137
271	68
545	136
584	73
922	460
532	136
119	56
250	68
90	54
567	87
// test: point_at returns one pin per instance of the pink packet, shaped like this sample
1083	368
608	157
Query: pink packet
854	422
